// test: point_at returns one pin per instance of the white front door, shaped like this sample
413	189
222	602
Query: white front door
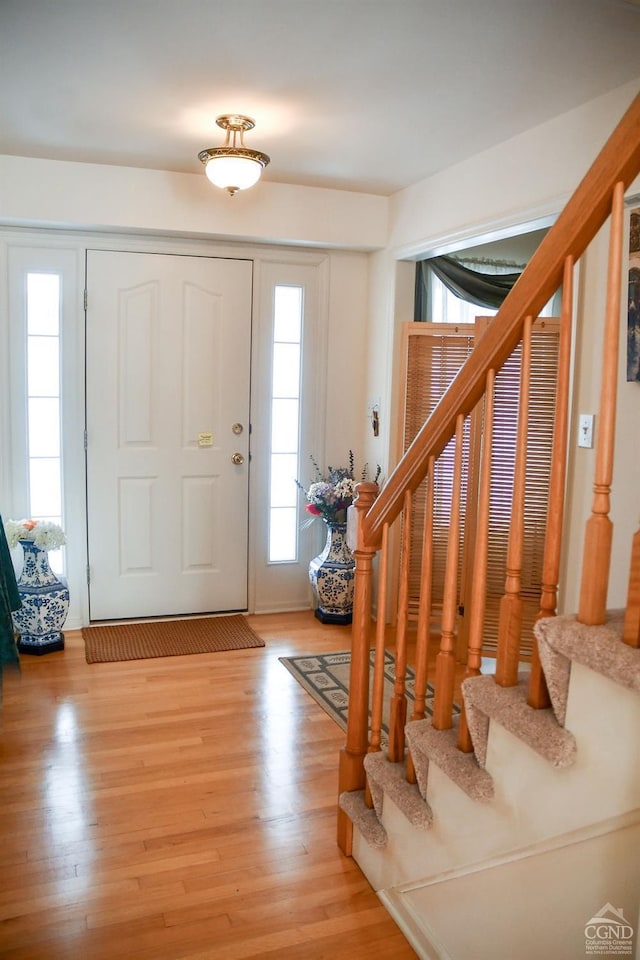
168	361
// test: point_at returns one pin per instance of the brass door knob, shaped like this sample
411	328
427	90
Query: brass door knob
237	458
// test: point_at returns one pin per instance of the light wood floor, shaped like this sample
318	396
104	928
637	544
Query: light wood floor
179	808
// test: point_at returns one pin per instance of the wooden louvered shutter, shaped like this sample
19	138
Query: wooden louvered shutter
544	367
434	352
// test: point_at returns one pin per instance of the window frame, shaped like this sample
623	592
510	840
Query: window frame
300	344
284	585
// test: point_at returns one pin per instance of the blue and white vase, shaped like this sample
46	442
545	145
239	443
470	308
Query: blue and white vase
45	603
331	575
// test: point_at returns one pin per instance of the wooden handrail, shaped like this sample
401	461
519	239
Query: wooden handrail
582	217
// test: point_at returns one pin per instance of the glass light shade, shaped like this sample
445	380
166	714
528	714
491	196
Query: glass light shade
233	172
233	166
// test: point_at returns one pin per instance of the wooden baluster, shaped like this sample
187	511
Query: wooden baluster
538	695
377	698
424	612
446	661
351	775
599	532
398	706
479	583
510	623
631	630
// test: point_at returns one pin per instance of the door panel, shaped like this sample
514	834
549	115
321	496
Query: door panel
168	359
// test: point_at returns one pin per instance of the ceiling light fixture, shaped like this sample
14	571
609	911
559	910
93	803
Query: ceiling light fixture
233	166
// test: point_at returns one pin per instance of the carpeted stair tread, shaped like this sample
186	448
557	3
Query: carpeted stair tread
363	817
485	700
389	779
562	640
441	747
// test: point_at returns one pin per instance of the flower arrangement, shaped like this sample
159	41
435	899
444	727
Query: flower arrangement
46	535
329	495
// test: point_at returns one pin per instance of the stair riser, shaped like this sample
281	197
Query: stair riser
533	800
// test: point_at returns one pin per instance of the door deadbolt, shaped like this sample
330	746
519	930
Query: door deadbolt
237	428
237	458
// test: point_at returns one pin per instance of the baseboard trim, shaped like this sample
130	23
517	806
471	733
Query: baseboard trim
588	832
419	935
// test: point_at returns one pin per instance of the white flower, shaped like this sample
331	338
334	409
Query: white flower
46	535
330	495
345	489
321	492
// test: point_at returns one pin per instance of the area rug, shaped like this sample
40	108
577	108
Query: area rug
325	677
109	643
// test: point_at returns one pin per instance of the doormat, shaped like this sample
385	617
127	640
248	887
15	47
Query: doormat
110	643
325	677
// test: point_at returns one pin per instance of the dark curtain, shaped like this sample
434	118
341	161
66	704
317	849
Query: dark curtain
9	600
483	289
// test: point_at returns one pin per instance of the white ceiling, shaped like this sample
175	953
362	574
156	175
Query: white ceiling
365	95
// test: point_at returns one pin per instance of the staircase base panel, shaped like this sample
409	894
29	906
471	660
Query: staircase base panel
533	904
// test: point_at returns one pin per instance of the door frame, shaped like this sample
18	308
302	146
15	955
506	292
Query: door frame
74	245
268	581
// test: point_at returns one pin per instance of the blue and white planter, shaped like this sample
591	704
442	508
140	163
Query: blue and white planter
331	575
45	603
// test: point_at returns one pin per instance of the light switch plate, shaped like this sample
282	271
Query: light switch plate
585	430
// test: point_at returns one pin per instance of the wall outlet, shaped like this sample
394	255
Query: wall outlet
585	430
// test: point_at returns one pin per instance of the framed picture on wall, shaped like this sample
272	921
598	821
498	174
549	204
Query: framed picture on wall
633	315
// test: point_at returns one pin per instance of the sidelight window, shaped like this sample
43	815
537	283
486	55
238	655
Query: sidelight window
43	307
285	423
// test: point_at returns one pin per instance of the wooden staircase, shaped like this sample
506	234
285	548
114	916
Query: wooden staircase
452	792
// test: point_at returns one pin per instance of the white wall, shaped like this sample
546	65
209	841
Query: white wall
517	185
333	387
346	351
56	193
625	495
132	208
524	180
341	316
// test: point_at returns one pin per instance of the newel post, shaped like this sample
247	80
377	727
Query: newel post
351	775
